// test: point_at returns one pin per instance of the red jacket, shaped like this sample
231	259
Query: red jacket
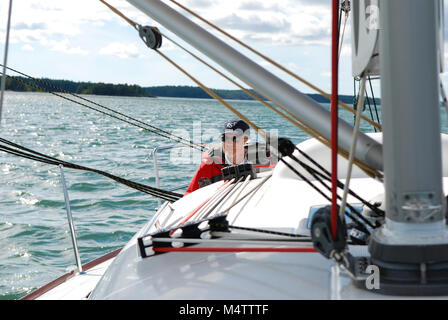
211	165
206	170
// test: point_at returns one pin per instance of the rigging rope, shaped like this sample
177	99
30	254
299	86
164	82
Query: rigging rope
277	233
335	182
259	130
211	93
353	146
343	31
370	108
27	153
291	118
131	22
295	122
327	176
165	134
354	211
372	173
355	101
374	101
206	89
342	104
312	132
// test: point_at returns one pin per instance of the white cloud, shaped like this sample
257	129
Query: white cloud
257	5
255	23
282	22
121	50
63	46
34	20
200	3
29	26
288	31
27	47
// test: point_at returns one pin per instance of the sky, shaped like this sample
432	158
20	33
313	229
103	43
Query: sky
83	40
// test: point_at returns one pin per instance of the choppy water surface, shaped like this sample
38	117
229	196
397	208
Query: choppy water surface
35	244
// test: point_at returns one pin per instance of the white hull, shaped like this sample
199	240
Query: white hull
73	285
282	203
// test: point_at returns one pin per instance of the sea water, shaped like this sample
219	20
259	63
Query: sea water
35	243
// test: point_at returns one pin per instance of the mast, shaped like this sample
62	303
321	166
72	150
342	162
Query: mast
312	113
412	246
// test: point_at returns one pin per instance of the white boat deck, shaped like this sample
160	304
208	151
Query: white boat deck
281	203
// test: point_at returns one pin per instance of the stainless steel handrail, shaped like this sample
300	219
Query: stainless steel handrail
156	167
70	221
68	208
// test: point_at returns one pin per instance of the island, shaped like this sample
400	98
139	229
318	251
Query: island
132	90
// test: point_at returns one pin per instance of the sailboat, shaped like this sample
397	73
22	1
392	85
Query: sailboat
271	234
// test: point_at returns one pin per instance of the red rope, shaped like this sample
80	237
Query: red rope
195	249
334	116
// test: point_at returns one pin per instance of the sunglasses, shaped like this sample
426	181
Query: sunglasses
231	138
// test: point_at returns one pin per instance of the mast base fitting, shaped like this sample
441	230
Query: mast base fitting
409	270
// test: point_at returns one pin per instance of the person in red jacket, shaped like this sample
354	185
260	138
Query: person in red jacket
231	152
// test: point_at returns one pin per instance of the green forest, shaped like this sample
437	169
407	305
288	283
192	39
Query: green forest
100	88
109	89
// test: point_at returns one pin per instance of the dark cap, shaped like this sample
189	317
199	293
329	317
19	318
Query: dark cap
237	127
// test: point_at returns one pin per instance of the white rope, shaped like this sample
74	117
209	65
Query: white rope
5	58
254	189
217	198
342	37
206	204
240	185
353	146
246	182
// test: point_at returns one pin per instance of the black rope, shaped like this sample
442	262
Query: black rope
327	177
356	98
134	185
315	174
37	156
170	136
131	184
360	225
374	102
278	233
370	109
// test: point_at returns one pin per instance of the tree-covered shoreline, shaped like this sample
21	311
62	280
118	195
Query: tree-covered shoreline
26	85
99	88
